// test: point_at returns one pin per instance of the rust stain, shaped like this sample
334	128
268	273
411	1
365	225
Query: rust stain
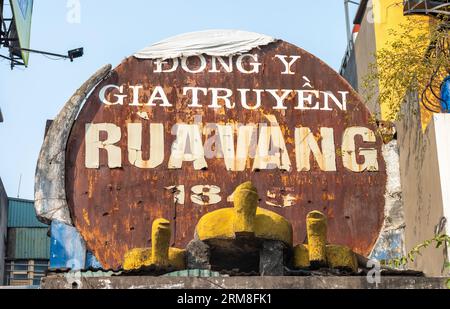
328	196
86	217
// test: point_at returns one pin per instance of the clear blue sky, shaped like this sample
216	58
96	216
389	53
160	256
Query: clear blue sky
113	30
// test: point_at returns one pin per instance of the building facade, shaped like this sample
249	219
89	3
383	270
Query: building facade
28	245
3	229
422	137
3	223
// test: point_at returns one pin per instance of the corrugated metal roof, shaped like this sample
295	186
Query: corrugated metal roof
28	243
21	213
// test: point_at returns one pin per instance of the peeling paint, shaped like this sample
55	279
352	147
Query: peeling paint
49	186
391	243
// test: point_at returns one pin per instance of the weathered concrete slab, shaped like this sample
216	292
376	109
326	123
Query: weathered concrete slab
198	255
271	258
146	282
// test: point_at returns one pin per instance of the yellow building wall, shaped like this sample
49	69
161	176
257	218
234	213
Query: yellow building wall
387	16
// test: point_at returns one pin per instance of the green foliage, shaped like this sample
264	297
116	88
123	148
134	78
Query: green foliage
440	241
414	60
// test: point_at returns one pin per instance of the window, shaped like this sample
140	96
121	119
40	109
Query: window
25	272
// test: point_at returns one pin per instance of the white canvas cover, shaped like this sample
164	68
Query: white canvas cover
209	42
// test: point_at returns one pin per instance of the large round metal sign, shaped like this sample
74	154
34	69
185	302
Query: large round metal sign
173	138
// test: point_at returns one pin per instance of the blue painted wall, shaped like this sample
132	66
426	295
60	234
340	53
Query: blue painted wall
68	249
445	95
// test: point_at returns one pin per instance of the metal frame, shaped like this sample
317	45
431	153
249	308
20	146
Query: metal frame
440	9
350	44
29	270
347	17
427	7
348	53
434	85
6	27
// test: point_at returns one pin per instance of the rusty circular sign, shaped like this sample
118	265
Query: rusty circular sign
173	138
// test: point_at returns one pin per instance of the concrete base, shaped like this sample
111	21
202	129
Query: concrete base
146	282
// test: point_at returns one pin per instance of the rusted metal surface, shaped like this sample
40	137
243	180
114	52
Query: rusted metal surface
114	208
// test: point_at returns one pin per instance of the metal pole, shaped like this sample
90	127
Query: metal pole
41	52
8	58
347	20
18	189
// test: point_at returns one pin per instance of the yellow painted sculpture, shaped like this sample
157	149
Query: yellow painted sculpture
245	207
245	218
160	254
316	229
160	242
318	252
301	256
341	257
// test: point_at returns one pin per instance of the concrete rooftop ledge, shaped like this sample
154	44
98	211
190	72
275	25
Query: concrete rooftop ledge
325	282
